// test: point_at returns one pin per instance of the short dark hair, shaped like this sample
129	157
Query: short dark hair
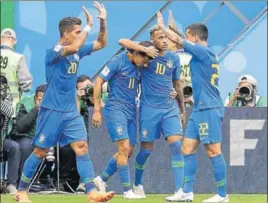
40	88
145	44
82	78
200	30
66	24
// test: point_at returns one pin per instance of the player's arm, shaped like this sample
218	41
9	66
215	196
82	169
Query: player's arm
97	94
178	86
194	49
135	46
172	26
108	71
75	46
169	33
102	37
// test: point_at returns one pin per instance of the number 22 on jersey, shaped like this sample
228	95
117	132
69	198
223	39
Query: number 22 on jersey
72	68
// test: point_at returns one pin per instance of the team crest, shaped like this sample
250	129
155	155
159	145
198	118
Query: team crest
42	138
169	64
144	133
119	130
76	57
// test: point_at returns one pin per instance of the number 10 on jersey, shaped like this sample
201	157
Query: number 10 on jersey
160	69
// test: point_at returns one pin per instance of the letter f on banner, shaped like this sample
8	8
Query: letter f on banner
238	143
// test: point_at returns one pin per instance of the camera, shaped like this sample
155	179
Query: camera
3	95
89	91
187	91
245	93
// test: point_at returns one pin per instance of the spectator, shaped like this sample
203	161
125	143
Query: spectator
27	110
8	148
246	94
13	66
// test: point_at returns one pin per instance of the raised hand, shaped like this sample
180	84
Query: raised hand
102	11
171	21
160	20
88	16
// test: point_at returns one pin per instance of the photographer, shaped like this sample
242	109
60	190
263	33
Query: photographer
8	148
14	67
245	94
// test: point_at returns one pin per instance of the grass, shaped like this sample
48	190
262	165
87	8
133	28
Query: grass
254	198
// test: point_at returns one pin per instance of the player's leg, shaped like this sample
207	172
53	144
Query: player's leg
141	158
190	167
172	130
149	132
74	133
189	146
109	170
210	135
48	126
111	167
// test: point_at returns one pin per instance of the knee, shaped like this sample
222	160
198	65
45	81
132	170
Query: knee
186	150
80	148
213	150
212	153
40	153
124	150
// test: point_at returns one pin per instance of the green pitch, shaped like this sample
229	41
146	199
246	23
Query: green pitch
119	199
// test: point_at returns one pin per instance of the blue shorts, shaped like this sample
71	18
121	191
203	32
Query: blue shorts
205	125
54	126
120	127
153	121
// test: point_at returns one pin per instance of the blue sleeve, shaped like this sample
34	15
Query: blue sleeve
176	70
85	50
54	55
110	69
195	49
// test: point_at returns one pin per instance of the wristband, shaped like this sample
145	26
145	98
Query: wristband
87	28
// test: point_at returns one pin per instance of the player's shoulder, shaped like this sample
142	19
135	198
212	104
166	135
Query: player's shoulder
212	54
54	48
118	58
170	55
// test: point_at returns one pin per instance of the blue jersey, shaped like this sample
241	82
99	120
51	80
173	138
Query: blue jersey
204	67
157	81
123	77
61	76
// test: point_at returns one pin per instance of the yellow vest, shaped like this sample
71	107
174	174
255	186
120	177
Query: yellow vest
9	68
